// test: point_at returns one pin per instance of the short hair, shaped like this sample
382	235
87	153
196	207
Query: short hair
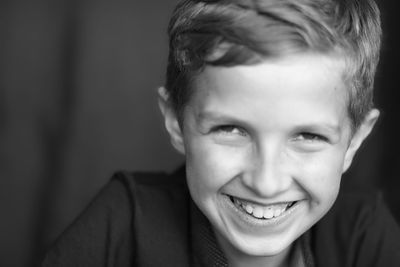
238	32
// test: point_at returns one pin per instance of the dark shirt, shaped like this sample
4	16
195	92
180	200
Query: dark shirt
149	219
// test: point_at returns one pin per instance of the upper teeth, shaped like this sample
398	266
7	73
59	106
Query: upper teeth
266	212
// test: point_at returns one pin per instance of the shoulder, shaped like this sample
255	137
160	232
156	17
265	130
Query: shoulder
125	190
355	211
160	217
354	207
359	230
123	217
153	181
152	189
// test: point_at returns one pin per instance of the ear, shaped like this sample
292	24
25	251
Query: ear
170	120
359	136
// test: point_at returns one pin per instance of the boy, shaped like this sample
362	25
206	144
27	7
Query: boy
268	100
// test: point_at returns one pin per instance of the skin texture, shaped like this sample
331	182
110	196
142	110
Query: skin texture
275	132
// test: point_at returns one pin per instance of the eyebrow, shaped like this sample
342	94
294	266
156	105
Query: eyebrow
214	116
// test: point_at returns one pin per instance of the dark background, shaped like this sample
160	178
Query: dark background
78	84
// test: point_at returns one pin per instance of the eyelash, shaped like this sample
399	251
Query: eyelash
313	137
229	129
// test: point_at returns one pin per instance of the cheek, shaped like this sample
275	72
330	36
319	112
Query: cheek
210	166
321	176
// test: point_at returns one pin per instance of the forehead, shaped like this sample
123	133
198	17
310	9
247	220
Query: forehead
298	87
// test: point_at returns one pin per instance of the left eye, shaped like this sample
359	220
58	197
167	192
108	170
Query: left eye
311	137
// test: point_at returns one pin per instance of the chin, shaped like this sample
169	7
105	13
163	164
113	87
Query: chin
263	249
255	246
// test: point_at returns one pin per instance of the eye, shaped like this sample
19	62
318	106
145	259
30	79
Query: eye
310	137
229	130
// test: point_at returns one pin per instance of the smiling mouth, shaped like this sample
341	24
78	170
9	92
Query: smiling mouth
262	212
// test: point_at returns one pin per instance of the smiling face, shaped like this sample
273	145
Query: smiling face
265	148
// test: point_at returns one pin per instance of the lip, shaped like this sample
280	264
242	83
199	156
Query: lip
250	223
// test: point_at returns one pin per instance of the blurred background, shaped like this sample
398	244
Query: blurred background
78	82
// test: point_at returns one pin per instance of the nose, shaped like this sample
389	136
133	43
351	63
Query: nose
267	173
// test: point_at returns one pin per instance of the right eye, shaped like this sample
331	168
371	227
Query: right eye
229	130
